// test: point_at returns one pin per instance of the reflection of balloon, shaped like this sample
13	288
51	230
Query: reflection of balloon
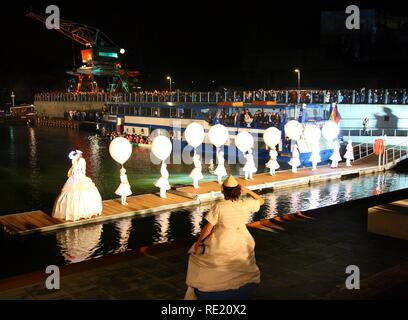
330	130
293	129
312	133
161	147
272	137
244	141
218	135
194	134
120	150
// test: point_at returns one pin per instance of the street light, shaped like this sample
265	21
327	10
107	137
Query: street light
169	78
12	98
298	73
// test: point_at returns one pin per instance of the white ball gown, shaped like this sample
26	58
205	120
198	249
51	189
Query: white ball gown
294	161
250	164
349	152
220	170
124	187
272	163
315	156
196	173
336	153
163	181
79	197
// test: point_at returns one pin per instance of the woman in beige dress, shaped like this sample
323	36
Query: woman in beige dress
222	262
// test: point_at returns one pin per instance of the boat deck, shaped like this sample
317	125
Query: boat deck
38	221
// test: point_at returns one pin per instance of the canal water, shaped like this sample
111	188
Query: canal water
33	168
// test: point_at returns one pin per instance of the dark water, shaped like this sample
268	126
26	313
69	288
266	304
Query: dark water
33	168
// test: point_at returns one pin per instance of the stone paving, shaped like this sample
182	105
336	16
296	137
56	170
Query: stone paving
307	260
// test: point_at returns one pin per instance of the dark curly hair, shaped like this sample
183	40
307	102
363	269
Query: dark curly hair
231	193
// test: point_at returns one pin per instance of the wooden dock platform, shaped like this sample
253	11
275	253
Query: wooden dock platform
38	221
287	179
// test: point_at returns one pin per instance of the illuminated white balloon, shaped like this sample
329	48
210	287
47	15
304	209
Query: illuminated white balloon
194	134
120	150
161	147
312	133
218	135
244	141
293	130
330	130
272	136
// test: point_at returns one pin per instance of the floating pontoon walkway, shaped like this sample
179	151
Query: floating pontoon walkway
38	221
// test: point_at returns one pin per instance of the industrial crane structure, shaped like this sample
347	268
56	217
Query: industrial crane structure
101	67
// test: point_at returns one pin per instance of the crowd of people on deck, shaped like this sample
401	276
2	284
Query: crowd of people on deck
82	115
360	96
260	119
132	138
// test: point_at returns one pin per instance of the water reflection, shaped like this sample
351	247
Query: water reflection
196	216
314	198
79	244
162	223
95	157
271	206
125	228
12	152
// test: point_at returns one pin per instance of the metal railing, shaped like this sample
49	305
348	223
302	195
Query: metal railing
374	132
396	153
345	96
363	150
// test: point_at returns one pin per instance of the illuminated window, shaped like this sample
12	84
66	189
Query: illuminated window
108	54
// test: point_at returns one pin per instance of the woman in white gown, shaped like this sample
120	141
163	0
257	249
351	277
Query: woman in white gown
163	182
220	171
249	167
349	155
335	157
272	164
222	262
196	173
124	188
294	161
315	157
79	198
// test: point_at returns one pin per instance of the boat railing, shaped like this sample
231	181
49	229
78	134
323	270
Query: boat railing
394	154
363	150
344	96
380	132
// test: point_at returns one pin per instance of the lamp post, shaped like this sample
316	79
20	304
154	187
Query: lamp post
169	78
298	73
298	82
12	98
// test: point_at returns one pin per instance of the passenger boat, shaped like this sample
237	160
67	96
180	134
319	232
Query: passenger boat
144	118
19	115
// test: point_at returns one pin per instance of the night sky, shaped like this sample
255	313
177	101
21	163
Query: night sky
192	41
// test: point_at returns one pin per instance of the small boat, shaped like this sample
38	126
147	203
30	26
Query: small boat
19	115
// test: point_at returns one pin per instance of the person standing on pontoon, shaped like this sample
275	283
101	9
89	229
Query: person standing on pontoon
335	157
273	164
294	161
220	171
349	155
79	197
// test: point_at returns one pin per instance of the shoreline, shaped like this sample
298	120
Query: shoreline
173	249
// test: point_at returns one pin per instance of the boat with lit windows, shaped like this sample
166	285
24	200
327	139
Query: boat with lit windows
144	118
18	115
